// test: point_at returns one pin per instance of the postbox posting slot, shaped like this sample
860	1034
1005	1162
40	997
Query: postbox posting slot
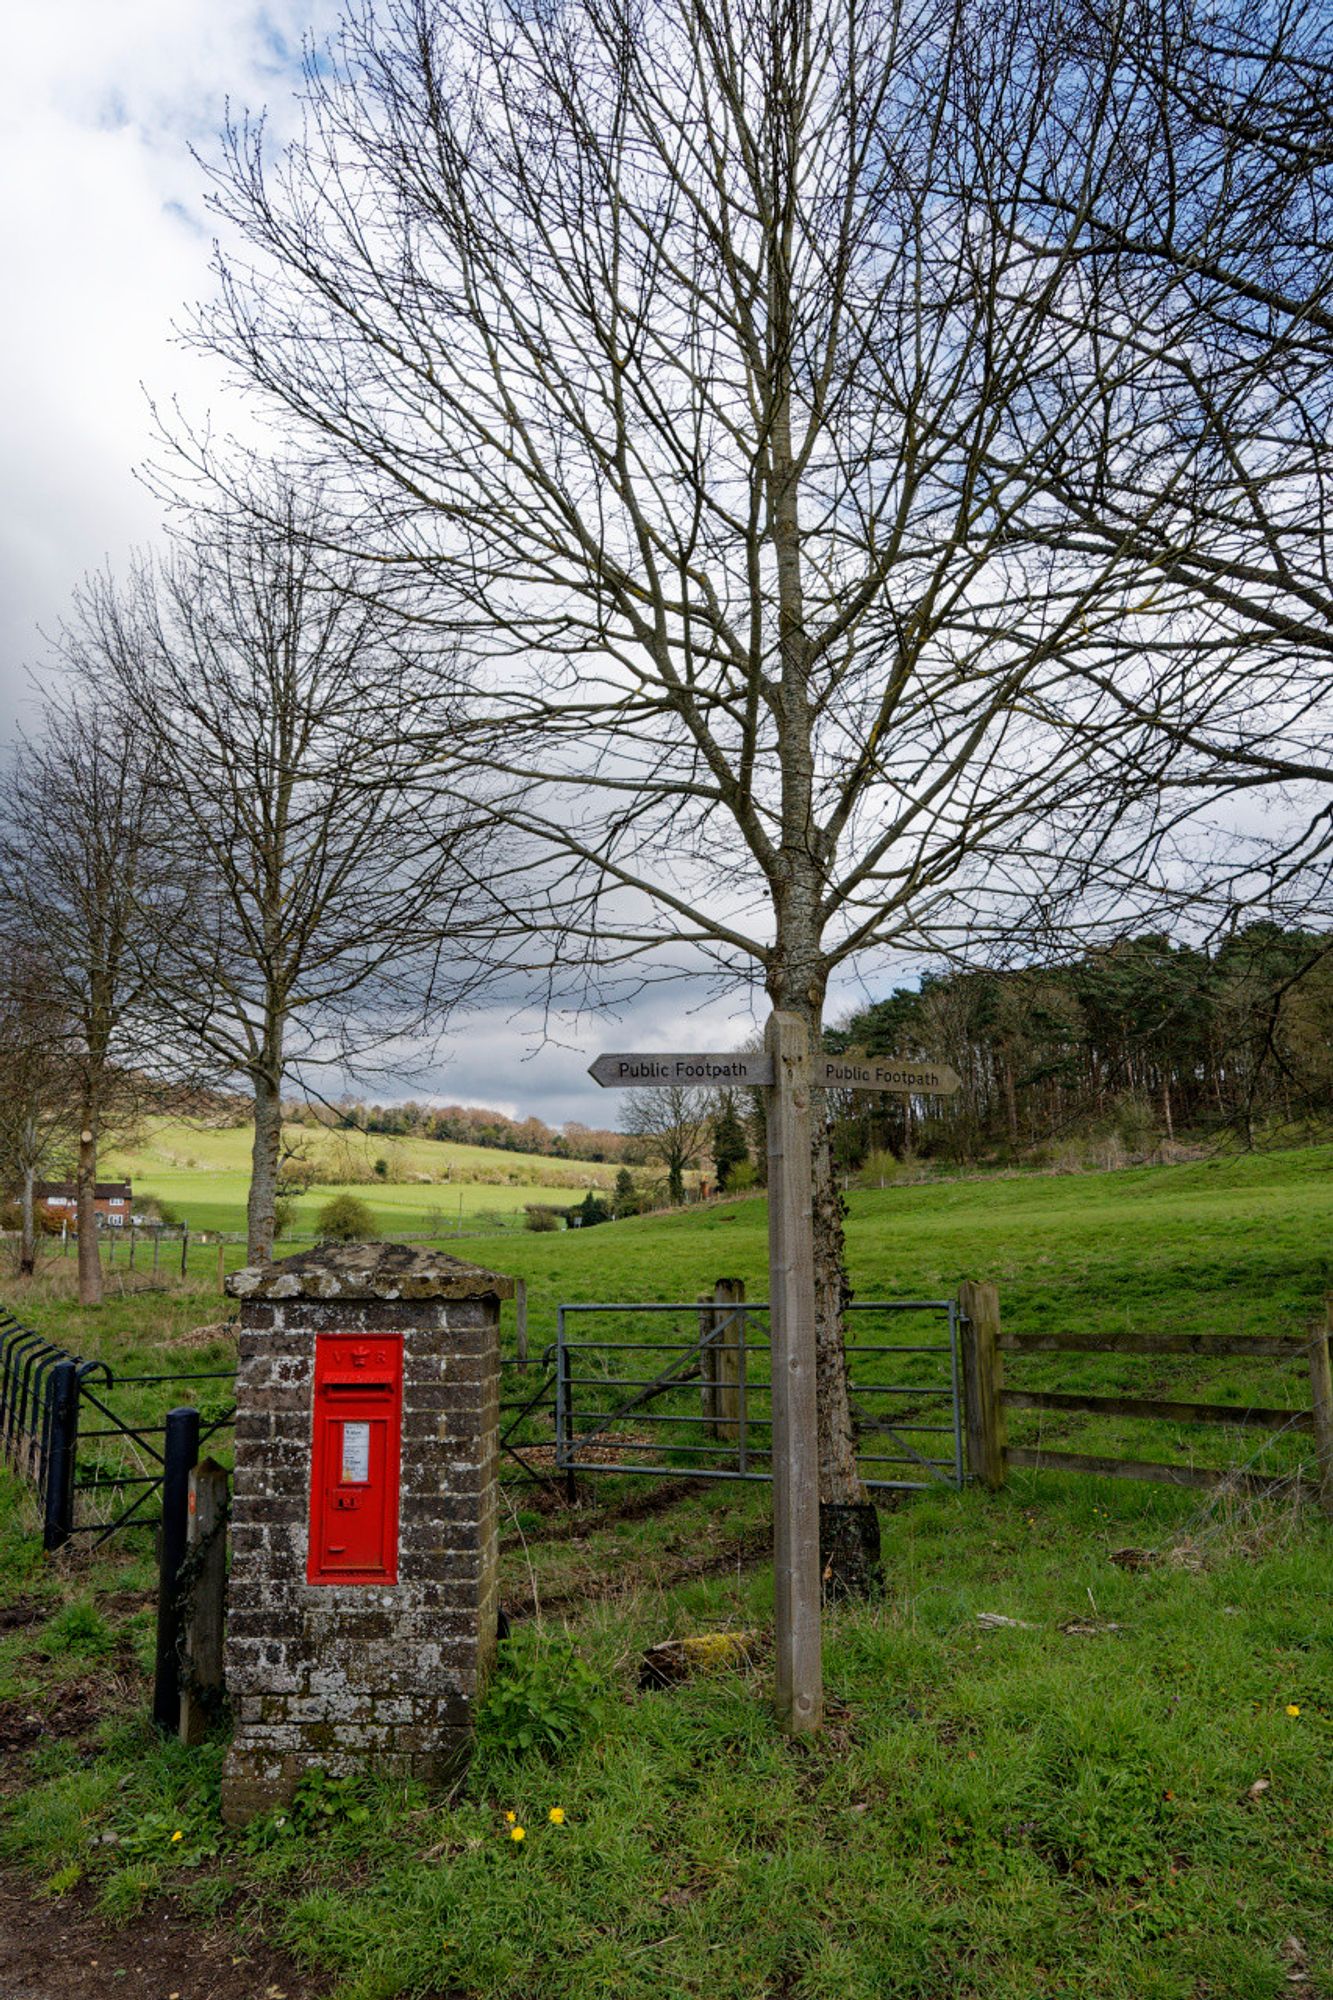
355	1453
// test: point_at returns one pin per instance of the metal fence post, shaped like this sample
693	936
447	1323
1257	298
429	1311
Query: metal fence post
62	1449
180	1456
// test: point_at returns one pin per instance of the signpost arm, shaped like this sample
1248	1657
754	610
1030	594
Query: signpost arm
799	1692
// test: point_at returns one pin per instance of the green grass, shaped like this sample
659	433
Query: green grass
1125	1811
204	1172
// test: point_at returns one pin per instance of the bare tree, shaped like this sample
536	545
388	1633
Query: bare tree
703	369
1206	461
312	905
39	1109
78	871
675	1126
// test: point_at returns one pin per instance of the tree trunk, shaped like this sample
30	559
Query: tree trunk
90	1260
797	972
28	1241
266	1079
1010	1103
849	1524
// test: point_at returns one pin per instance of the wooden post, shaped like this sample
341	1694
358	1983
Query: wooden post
206	1558
222	1268
707	1367
983	1380
798	1677
1321	1391
521	1321
727	1333
133	1240
185	1246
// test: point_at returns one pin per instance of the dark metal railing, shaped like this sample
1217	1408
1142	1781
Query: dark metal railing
43	1390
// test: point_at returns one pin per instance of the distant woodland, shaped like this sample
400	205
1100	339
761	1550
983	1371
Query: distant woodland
1127	1052
1135	1048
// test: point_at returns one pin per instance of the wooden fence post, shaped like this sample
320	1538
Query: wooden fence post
222	1267
707	1367
206	1569
983	1382
1321	1393
728	1332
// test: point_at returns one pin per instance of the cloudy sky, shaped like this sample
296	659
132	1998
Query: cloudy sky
106	242
106	239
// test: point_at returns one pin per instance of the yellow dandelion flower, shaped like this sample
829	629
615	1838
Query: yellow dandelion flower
517	1833
1292	1708
511	1819
177	1835
556	1815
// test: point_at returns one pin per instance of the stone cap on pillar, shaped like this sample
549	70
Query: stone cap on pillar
369	1271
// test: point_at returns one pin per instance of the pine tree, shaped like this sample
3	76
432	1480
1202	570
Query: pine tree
730	1146
625	1197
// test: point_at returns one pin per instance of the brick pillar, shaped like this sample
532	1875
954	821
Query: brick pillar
380	1670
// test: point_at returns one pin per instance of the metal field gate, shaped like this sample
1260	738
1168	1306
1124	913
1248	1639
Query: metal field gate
637	1391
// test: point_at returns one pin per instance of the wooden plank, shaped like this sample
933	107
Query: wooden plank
665	1071
1147	1406
1134	1468
798	1676
906	1079
206	1569
1263	1347
983	1382
1321	1390
661	1070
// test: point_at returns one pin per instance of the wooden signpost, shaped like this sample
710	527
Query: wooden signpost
789	1072
755	1072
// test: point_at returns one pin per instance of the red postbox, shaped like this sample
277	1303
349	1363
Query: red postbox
355	1452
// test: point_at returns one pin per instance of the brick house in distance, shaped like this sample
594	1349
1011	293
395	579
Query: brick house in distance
113	1201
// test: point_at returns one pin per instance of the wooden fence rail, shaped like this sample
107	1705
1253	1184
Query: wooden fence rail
988	1399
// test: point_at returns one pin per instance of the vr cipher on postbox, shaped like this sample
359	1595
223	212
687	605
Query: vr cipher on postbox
356	1450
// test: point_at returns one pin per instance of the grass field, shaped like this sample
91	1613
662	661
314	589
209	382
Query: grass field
204	1172
1126	1795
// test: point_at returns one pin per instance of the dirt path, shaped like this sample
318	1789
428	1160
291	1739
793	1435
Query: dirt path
57	1948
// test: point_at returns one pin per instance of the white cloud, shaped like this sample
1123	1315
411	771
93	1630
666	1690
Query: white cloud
105	240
